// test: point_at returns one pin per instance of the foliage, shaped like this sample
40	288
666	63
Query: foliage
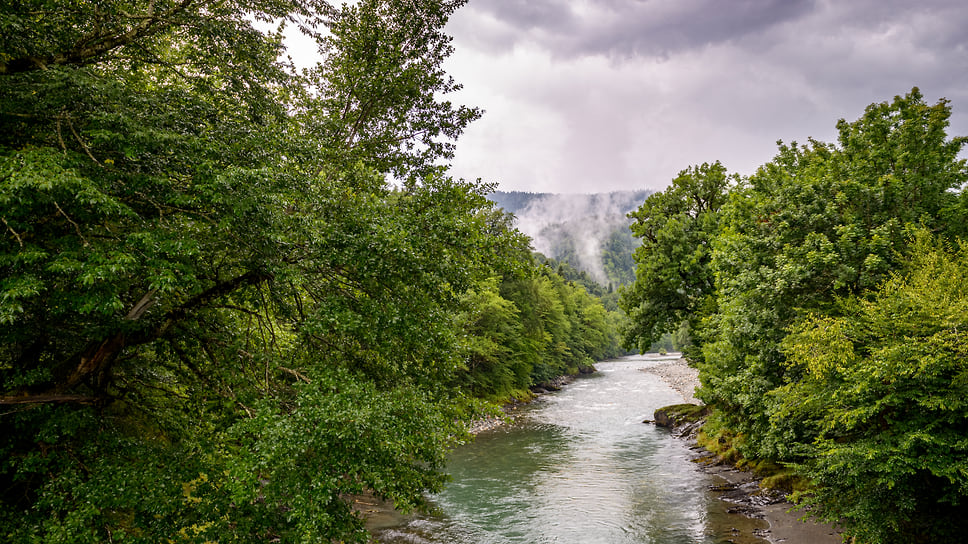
816	223
497	364
674	280
219	319
380	87
564	329
883	391
829	338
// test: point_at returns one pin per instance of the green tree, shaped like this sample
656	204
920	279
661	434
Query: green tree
217	324
380	87
544	323
674	279
883	390
816	223
497	364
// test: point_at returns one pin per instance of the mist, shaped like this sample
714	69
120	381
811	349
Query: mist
575	228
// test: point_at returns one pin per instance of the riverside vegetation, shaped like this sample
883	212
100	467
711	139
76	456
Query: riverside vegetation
234	294
825	302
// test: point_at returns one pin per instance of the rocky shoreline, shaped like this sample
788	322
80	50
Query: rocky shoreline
740	488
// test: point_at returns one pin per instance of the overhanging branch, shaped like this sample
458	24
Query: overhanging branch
89	47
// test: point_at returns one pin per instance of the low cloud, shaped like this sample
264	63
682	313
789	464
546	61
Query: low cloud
583	222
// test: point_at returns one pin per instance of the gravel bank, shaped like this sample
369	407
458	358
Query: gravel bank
680	376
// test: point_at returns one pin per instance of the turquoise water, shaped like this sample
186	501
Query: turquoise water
579	466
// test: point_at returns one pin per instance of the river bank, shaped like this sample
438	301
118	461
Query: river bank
742	488
510	409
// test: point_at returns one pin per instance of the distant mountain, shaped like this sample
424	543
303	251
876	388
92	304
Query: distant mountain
587	231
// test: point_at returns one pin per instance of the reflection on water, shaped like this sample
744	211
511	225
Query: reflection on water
580	467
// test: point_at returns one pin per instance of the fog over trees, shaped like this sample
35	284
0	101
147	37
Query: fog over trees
589	232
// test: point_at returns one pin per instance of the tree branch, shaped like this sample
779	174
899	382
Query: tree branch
15	235
89	47
47	398
295	373
96	360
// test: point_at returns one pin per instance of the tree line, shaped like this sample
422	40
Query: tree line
824	297
234	294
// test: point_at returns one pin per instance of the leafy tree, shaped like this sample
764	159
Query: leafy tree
544	323
674	279
883	390
571	274
381	85
815	350
818	222
219	320
497	364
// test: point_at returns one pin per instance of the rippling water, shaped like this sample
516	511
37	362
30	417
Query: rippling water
580	467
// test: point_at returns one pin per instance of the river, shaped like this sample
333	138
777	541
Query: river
579	466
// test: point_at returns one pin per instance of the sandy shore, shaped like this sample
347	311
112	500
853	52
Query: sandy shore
741	488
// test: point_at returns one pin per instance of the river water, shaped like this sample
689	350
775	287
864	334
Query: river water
579	466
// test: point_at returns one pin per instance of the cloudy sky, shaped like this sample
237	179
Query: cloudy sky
601	95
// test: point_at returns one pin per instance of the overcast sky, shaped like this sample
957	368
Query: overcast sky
601	95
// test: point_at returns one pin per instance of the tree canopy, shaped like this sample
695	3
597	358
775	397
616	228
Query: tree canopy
674	280
883	396
801	290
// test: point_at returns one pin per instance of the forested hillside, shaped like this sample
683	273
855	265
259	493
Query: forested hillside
588	232
826	298
234	295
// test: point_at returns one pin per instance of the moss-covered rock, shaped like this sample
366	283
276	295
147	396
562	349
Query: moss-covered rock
682	419
680	414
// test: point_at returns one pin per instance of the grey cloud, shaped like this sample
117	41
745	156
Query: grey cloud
644	30
628	28
523	15
641	89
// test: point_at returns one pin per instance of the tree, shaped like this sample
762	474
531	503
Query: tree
817	223
381	85
674	281
497	365
218	325
883	392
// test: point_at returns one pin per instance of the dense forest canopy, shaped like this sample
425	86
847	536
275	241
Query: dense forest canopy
220	320
824	298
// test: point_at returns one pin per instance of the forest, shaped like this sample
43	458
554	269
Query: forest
235	294
824	298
